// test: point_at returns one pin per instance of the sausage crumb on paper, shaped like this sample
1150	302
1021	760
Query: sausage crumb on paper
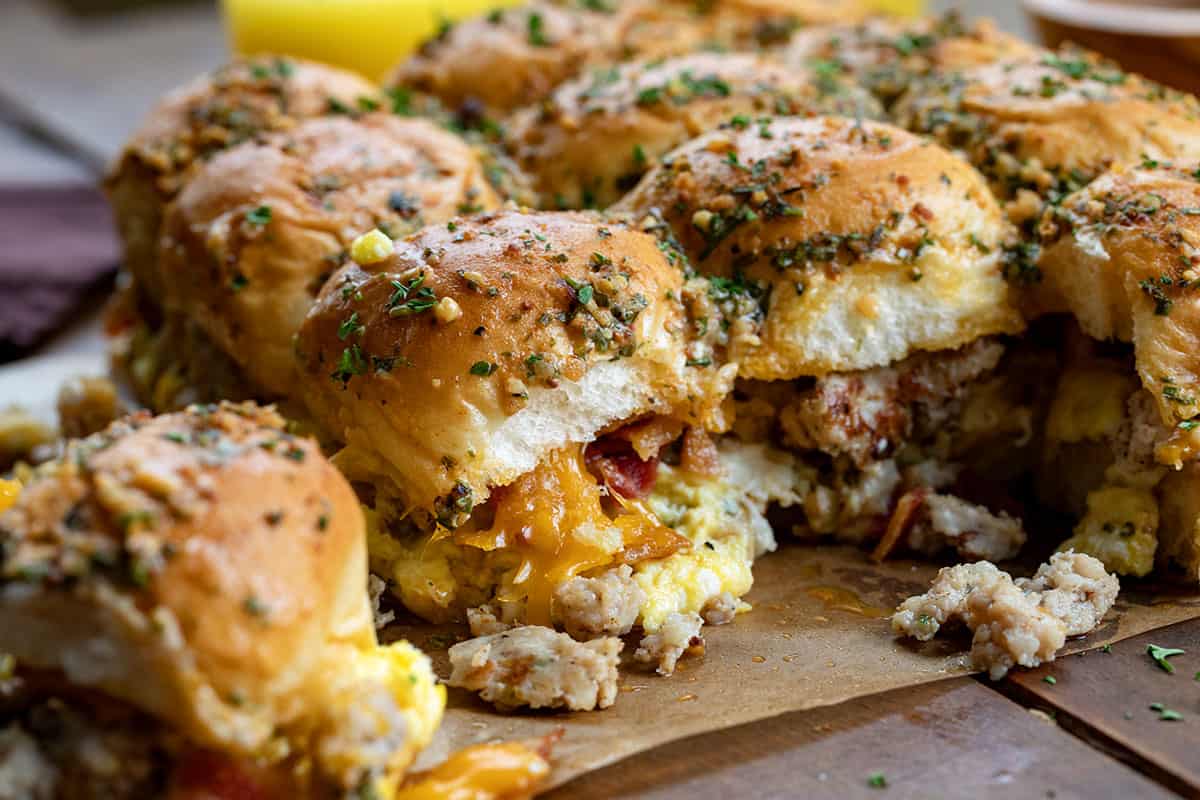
1023	622
538	667
679	634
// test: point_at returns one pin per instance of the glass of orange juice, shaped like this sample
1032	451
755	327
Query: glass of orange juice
367	36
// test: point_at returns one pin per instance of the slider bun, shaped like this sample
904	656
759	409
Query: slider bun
885	53
508	58
195	565
864	243
592	140
1123	256
237	102
449	400
655	29
1049	123
247	280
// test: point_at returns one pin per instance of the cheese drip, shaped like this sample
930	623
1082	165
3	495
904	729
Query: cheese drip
554	517
483	772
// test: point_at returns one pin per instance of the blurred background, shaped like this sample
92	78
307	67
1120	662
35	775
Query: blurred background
81	73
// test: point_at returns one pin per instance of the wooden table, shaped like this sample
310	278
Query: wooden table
1088	733
1082	727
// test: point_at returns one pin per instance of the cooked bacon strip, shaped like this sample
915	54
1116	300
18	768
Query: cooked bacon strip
205	775
699	455
649	436
901	521
620	468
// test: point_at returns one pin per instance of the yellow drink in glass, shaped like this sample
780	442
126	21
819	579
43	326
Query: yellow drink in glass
367	36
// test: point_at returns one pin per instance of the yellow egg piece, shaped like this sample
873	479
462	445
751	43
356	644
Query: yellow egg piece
1120	528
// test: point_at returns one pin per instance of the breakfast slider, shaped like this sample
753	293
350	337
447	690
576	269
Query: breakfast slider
527	404
1122	258
885	54
595	136
860	272
235	103
185	597
255	231
490	65
1042	125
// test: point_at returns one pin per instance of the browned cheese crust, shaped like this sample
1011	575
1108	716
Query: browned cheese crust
595	136
194	565
232	104
862	243
477	347
255	233
1043	125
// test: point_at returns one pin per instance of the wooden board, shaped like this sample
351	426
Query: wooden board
954	738
1105	698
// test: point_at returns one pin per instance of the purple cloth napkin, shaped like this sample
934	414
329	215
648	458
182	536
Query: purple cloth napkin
58	248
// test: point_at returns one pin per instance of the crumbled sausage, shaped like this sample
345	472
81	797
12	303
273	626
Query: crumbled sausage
494	618
864	414
376	586
538	667
973	531
1074	587
720	609
1014	623
607	605
679	634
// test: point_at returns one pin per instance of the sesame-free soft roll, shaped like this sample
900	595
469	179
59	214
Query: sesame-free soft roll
529	397
597	135
862	269
1044	124
187	596
235	103
252	237
886	54
513	57
1122	257
863	243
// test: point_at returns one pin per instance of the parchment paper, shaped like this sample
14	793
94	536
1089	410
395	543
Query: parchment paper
817	635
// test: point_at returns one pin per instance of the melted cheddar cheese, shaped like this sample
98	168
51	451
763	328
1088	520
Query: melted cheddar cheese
8	494
505	771
554	519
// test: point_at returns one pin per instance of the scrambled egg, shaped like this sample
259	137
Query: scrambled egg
1120	528
720	527
1089	403
385	706
434	576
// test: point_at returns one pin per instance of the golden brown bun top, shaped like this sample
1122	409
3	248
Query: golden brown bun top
508	57
652	28
214	555
514	57
1123	255
886	53
1052	122
234	103
596	135
477	347
861	242
252	237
